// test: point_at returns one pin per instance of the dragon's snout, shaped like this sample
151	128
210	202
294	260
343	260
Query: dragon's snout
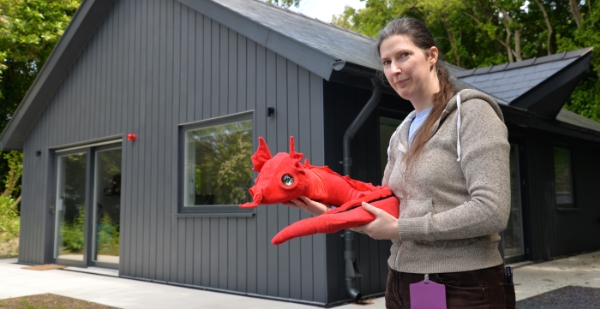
257	197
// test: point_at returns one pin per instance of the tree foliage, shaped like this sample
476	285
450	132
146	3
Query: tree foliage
219	161
28	32
284	3
29	29
9	214
480	33
14	161
586	97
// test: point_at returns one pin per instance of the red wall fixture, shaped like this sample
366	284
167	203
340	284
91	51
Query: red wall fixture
131	137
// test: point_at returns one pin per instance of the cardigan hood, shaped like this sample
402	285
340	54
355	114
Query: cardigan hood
454	104
455	198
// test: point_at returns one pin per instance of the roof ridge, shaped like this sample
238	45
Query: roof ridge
315	19
507	66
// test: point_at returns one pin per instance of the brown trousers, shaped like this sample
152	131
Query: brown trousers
483	288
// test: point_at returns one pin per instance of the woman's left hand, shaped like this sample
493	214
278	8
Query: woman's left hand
385	226
308	205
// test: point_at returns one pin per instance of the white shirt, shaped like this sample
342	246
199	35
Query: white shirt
416	123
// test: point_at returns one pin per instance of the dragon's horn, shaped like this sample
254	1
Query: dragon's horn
296	156
261	156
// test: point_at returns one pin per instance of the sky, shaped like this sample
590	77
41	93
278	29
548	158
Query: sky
324	9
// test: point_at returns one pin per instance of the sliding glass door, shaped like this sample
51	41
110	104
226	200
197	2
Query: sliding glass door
88	200
71	207
107	202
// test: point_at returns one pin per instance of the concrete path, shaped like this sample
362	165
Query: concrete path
530	280
580	270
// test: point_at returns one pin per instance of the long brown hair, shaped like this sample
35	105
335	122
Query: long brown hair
418	33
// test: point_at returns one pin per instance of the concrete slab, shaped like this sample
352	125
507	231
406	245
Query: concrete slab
101	286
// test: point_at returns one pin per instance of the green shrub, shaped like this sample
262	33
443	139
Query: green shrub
9	221
73	233
108	236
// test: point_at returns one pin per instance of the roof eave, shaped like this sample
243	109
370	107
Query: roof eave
569	76
83	24
528	119
311	59
574	119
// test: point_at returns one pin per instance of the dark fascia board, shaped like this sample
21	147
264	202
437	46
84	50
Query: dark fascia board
313	60
81	28
553	102
359	81
534	96
357	76
354	69
528	119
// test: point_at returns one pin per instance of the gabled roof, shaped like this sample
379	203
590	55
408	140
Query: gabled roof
320	47
309	42
540	85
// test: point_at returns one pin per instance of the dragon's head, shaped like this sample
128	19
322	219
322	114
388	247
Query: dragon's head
281	178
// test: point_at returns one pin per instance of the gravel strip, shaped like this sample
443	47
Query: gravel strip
568	297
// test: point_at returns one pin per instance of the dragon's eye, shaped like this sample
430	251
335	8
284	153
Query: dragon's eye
287	180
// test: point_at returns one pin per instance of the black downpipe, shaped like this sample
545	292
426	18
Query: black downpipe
352	267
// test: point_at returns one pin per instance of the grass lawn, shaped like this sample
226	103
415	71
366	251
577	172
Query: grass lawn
49	301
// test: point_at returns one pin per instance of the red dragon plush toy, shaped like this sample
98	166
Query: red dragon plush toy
283	178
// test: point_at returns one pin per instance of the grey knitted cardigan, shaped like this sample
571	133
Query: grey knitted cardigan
456	198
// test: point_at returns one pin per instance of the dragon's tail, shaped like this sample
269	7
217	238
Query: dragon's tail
331	222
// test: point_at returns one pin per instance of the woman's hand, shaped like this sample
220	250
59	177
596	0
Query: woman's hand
385	226
308	205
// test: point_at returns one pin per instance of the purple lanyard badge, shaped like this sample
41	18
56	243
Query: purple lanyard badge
427	295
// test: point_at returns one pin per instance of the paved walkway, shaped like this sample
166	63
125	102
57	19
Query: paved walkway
530	280
534	279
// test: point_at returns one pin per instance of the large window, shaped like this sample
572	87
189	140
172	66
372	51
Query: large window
563	177
217	165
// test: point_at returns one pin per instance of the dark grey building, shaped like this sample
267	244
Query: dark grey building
138	131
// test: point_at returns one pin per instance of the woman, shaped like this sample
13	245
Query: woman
448	163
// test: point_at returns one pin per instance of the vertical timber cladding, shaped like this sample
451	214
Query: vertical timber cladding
575	228
586	177
150	66
541	178
558	232
342	104
31	248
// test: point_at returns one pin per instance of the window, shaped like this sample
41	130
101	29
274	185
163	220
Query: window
563	176
217	165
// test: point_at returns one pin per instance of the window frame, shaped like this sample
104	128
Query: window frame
221	210
564	206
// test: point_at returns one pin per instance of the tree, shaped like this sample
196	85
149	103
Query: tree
586	97
284	3
480	33
28	32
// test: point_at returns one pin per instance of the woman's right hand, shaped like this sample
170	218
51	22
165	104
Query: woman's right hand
308	205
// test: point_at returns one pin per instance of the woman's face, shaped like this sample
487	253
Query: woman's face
409	70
